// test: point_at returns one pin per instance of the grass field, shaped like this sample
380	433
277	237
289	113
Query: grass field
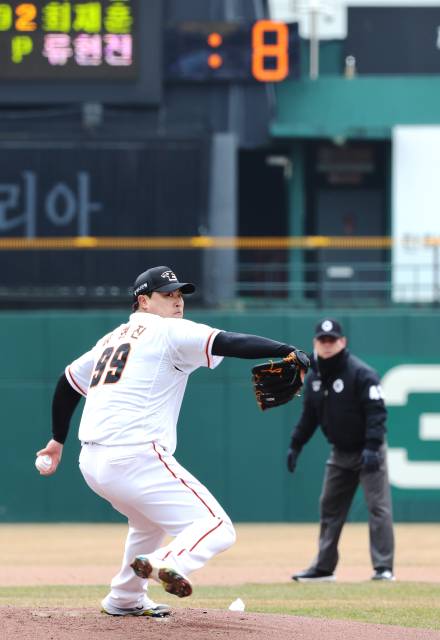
71	565
405	604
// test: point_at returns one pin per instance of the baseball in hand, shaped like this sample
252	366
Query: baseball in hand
43	463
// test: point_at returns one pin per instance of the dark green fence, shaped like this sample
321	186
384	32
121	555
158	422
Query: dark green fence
224	439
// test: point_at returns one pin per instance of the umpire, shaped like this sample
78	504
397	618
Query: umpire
343	395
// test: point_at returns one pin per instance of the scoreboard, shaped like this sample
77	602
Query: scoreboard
79	50
67	39
260	51
120	51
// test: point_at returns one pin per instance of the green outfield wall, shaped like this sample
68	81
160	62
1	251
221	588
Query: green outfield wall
236	450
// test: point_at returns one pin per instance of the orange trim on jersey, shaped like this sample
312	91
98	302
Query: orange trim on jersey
199	540
183	481
207	347
206	534
75	384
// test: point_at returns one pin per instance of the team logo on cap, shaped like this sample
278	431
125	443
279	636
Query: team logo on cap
142	287
327	325
169	275
338	385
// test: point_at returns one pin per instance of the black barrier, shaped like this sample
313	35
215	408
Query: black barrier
118	190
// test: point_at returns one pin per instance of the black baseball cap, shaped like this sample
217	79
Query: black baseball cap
162	279
328	327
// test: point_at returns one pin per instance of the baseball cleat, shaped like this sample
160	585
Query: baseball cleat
147	608
142	567
159	611
171	580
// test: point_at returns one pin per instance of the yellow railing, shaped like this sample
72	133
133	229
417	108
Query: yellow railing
207	242
128	243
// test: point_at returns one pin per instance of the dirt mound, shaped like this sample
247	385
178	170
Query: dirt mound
185	624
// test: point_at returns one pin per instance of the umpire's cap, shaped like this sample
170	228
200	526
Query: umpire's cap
328	327
162	279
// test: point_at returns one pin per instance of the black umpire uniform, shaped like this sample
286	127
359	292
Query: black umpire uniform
342	394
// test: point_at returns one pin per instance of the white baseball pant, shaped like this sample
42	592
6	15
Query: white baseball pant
159	497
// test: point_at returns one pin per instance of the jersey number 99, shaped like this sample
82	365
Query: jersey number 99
113	361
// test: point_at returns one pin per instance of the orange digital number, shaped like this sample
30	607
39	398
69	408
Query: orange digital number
261	50
26	14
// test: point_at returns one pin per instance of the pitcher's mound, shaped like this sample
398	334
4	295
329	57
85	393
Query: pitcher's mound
190	624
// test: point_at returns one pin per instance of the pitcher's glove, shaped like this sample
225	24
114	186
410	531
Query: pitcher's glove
276	383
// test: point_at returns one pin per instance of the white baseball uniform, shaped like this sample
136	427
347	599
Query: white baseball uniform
134	380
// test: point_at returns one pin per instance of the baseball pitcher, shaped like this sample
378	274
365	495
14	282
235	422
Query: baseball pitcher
133	381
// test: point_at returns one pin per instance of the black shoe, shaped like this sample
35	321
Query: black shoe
314	575
383	573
